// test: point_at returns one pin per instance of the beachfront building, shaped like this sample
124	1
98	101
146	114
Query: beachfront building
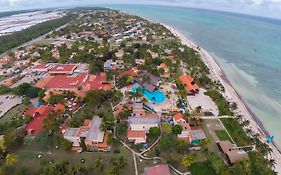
90	133
232	154
190	86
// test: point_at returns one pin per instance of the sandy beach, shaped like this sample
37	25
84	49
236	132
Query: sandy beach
230	94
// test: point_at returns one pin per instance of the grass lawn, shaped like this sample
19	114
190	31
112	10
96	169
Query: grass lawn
236	131
27	156
222	135
15	112
202	168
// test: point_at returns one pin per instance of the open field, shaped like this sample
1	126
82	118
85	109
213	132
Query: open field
222	135
28	156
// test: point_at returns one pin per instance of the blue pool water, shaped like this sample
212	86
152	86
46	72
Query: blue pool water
153	97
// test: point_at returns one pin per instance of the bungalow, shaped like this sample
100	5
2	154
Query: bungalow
157	170
136	136
232	154
94	138
190	87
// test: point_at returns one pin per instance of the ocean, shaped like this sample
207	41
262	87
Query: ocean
247	48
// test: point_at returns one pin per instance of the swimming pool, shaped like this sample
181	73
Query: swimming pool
154	97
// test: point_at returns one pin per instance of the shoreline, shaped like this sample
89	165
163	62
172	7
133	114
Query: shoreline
231	94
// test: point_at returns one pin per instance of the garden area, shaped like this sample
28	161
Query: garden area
222	135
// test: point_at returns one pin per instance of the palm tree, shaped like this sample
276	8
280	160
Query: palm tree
272	162
11	159
198	109
187	160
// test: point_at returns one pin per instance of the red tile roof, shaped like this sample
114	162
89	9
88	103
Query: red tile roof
87	122
63	69
187	82
67	82
35	126
178	116
135	134
129	72
157	170
97	82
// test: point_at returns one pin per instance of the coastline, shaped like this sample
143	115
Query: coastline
231	94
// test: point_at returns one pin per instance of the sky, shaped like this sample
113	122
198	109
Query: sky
268	8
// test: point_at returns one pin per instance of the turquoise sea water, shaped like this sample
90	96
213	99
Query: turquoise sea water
248	50
153	97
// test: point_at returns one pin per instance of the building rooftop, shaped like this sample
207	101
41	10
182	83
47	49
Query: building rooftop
143	120
157	170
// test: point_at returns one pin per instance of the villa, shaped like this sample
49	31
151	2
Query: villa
190	87
90	133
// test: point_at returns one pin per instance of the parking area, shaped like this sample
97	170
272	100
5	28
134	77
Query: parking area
204	101
7	102
29	78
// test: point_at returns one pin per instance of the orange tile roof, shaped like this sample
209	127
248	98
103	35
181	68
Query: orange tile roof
135	134
42	109
59	107
43	82
104	144
187	82
178	116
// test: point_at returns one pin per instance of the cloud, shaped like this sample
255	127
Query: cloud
271	8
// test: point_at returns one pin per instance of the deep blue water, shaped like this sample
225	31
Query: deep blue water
248	49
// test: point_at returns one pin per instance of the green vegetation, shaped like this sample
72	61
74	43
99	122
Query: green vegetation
222	104
222	135
236	131
13	113
10	41
201	168
23	89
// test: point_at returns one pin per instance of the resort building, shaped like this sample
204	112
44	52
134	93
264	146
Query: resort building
148	81
190	87
157	170
90	133
140	123
63	69
41	68
232	154
38	115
